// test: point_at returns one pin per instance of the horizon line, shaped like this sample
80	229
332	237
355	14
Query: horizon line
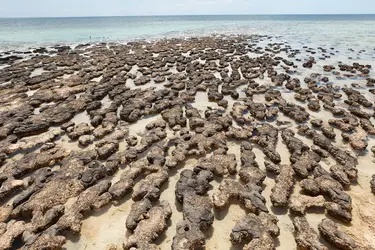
168	15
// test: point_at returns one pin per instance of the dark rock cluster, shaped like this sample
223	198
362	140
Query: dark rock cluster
66	134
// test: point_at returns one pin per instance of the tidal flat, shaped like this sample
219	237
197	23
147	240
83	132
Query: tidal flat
218	142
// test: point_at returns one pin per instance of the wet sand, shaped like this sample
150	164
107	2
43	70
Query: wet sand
124	101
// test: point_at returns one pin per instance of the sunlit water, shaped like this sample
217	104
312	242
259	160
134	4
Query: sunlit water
21	34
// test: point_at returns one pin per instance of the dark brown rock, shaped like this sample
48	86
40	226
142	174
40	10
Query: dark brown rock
330	231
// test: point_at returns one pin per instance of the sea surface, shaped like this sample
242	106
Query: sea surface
23	33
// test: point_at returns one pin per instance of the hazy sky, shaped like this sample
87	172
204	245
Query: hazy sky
37	8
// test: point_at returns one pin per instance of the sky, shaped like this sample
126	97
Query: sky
58	8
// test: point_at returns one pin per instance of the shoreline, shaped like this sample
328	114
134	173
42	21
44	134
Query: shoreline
21	34
50	49
73	45
219	142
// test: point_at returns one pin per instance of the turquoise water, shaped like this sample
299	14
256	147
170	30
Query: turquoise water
20	34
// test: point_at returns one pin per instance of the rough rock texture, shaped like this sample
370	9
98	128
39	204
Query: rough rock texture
306	162
219	164
294	111
272	168
330	231
283	186
46	241
93	197
5	212
150	228
299	203
84	127
137	213
305	236
267	137
174	117
197	209
150	186
119	189
358	140
13	230
250	195
250	171
188	236
338	211
193	183
258	229
372	182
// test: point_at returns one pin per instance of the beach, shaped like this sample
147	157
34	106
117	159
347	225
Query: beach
226	141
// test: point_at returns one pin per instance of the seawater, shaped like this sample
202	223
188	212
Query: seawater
25	33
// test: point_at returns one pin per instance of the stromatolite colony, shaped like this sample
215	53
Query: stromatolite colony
56	168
